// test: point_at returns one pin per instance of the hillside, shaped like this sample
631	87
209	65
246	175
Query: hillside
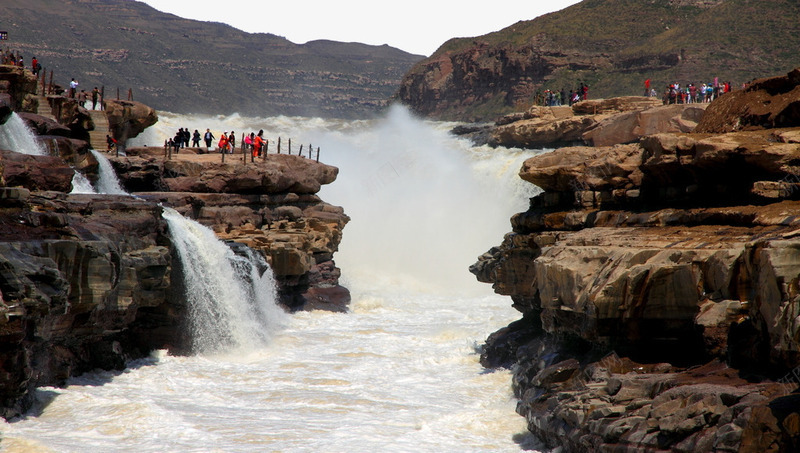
187	66
610	45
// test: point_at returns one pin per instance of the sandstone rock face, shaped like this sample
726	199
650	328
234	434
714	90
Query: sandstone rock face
43	126
69	113
88	281
269	205
629	127
657	285
298	235
79	275
603	122
18	84
127	119
36	172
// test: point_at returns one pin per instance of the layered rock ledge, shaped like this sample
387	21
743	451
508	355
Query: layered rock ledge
269	205
658	286
601	122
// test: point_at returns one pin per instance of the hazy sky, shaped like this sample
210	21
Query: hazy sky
416	26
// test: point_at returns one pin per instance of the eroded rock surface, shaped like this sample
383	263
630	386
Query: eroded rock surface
270	205
603	122
658	286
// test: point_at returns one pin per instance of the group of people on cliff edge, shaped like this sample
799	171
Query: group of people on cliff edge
674	93
551	98
252	142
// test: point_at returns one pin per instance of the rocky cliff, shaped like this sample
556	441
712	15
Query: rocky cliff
270	205
612	46
93	281
657	282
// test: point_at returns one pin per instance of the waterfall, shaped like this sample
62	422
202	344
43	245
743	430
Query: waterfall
107	181
80	184
232	303
15	136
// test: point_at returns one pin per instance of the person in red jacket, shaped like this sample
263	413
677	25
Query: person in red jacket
223	142
258	143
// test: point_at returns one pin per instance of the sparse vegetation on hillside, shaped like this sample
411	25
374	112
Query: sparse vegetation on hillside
613	46
188	66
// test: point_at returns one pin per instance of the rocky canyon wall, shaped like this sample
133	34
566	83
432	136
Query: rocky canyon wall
658	282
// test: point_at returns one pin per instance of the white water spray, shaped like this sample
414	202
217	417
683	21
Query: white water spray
424	205
232	305
107	181
80	184
15	136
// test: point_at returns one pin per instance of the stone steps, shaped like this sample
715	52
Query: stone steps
97	137
44	108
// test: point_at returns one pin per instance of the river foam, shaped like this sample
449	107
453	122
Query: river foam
399	373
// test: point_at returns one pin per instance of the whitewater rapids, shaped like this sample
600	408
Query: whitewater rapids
399	373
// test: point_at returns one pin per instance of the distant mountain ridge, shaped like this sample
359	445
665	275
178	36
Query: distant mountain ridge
611	45
188	66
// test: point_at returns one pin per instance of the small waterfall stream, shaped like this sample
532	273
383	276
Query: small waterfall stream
232	303
107	182
15	136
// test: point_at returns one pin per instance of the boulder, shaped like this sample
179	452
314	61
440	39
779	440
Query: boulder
44	126
602	122
585	168
36	172
127	119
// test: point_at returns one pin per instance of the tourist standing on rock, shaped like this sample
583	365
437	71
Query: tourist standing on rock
178	140
258	143
82	97
196	139
248	141
208	137
223	142
110	142
232	142
73	86
34	64
95	95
